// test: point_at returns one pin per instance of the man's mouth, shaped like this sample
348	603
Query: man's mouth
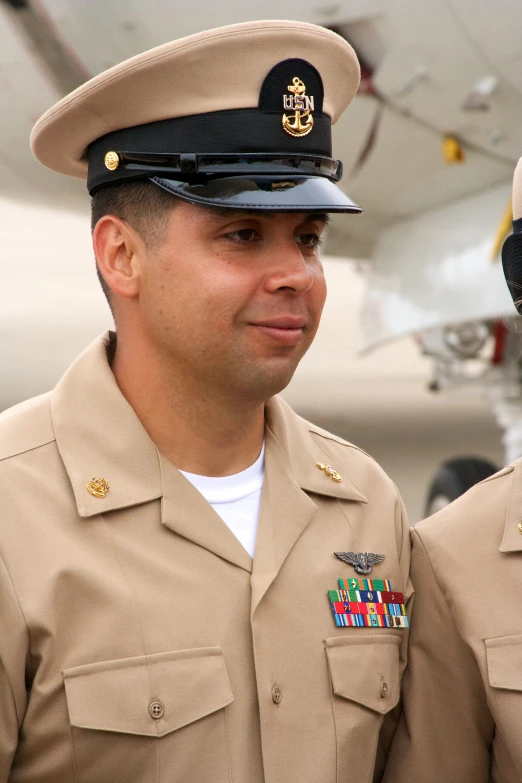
285	329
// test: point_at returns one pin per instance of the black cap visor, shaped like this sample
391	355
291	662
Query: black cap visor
278	193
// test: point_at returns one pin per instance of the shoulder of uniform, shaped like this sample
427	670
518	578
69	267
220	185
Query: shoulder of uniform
26	426
315	430
362	468
503	472
481	508
334	441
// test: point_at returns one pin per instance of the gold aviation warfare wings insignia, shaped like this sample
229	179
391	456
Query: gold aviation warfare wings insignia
363	562
301	122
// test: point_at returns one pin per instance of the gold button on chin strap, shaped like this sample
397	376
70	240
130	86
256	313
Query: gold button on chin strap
112	161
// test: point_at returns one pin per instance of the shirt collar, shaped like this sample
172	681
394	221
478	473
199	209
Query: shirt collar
305	449
512	538
99	435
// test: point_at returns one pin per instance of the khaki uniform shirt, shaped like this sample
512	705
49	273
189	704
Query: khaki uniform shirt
462	720
139	641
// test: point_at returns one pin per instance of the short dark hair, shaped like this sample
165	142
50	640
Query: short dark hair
143	205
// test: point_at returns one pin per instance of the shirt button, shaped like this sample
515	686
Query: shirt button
276	695
384	689
156	710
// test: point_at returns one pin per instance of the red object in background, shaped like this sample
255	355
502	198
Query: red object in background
367	87
499	335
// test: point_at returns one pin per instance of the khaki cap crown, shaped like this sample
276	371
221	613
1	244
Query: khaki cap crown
517	191
215	70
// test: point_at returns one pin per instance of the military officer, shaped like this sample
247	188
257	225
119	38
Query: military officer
462	716
171	607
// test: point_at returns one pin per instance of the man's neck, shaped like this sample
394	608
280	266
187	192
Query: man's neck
197	431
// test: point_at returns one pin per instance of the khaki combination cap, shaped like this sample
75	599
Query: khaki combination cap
512	248
517	191
239	116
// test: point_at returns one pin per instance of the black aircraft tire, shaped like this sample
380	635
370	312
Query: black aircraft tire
455	477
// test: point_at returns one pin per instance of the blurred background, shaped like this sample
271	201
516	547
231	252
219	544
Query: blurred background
417	360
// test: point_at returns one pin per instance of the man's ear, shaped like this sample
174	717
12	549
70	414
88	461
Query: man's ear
119	252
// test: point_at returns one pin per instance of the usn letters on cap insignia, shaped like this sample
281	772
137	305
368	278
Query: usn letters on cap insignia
302	121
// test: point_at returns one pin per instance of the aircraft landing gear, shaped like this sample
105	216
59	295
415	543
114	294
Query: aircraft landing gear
485	357
454	478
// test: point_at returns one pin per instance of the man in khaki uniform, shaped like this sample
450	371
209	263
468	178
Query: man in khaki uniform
462	710
170	606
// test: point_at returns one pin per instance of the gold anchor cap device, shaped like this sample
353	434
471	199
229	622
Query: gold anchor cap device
240	117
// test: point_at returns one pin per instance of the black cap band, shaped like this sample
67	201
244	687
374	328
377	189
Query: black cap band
235	130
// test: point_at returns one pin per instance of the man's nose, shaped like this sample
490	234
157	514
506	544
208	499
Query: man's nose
289	269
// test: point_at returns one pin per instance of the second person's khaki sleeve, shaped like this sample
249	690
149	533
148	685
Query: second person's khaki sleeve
445	729
404	551
14	646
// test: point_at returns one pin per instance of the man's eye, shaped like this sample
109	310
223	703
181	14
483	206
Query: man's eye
243	235
309	240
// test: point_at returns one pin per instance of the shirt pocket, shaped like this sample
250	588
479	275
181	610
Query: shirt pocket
365	682
504	664
151	718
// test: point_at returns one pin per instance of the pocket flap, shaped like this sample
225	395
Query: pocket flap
366	669
118	695
504	659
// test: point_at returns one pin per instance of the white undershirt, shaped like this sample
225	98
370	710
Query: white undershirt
236	499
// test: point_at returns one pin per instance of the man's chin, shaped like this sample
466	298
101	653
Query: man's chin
269	380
